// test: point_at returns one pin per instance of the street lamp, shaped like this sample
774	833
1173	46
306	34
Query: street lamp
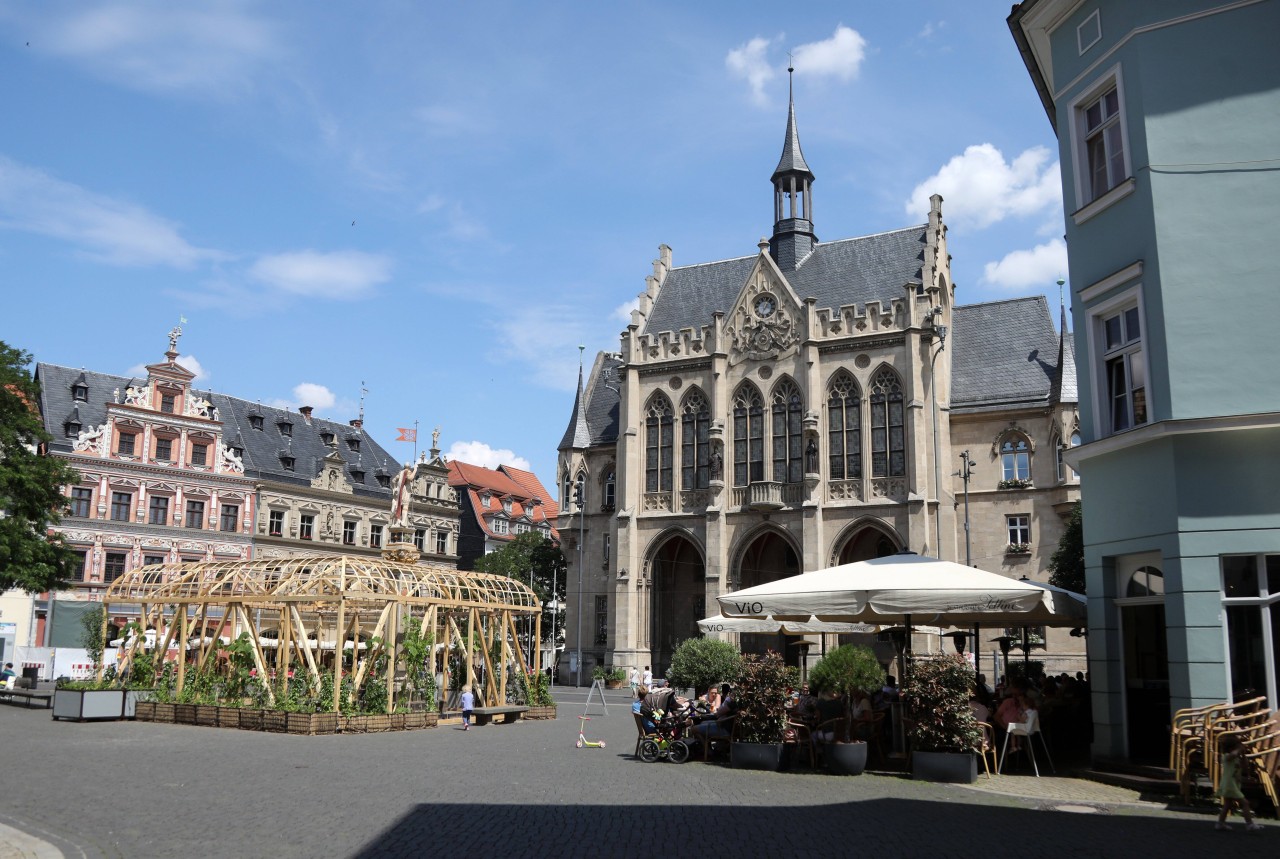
579	498
966	471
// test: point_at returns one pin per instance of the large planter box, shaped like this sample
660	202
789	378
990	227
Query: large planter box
207	715
540	713
184	714
276	721
378	724
134	697
250	720
145	711
81	705
953	767
163	712
432	719
398	721
355	724
312	723
414	721
757	756
845	758
229	717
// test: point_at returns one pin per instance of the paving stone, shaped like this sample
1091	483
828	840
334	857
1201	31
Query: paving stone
142	789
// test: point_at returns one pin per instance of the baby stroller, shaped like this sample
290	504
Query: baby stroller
667	740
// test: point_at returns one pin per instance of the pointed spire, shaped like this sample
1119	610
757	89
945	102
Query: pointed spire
792	160
577	436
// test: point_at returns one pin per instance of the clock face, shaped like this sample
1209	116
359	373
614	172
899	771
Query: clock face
765	305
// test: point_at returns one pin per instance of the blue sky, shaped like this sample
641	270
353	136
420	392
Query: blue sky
442	201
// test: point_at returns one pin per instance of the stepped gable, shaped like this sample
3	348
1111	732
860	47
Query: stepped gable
846	272
1006	355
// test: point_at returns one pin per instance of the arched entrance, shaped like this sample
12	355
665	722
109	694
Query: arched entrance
767	558
678	573
868	542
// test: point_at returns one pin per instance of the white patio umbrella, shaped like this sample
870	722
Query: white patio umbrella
901	588
720	623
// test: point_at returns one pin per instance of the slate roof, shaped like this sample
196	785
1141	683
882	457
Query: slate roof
261	447
596	421
792	160
1006	354
849	271
504	483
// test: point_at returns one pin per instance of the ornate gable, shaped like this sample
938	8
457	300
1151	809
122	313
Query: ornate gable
332	476
764	324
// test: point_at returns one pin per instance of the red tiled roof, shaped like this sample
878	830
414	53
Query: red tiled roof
514	484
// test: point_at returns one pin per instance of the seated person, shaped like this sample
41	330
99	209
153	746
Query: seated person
831	716
720	727
806	708
638	703
713	699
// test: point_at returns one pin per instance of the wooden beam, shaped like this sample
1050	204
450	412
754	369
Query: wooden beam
258	661
182	648
305	645
337	657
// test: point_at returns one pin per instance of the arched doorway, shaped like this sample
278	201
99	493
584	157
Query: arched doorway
866	543
678	573
767	558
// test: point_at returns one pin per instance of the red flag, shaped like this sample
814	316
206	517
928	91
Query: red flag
407	434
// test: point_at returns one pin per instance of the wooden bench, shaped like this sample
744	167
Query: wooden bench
28	695
485	715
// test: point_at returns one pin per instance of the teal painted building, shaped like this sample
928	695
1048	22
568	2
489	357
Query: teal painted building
1167	114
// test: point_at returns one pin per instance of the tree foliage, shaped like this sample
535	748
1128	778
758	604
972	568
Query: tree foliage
936	696
1066	566
761	694
531	553
31	498
847	669
703	662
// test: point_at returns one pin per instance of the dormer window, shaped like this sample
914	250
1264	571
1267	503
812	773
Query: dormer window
357	476
353	445
286	462
286	428
506	505
384	481
168	403
80	393
484	500
326	437
238	452
72	428
255	422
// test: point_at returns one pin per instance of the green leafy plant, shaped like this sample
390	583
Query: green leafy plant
91	638
847	670
540	690
418	650
703	662
1066	566
761	694
936	698
608	674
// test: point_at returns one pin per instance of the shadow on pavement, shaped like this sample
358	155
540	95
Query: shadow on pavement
882	828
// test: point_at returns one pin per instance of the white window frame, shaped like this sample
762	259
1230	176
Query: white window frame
1098	314
1012	528
1262	602
1112	78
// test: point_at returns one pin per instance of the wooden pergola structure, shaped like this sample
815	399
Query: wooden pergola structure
316	604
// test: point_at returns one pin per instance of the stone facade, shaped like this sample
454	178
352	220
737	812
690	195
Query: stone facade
776	413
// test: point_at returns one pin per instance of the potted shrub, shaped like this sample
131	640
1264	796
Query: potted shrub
847	670
761	694
941	728
700	663
612	677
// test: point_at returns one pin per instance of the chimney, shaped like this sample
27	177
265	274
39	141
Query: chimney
305	411
357	423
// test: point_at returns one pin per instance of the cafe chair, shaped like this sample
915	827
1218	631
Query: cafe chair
1029	730
988	748
803	741
641	733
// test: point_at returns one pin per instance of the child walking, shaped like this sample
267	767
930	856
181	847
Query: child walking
468	704
1229	786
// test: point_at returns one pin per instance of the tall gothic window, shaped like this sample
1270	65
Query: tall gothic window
695	442
748	435
888	431
1015	457
787	436
844	427
658	444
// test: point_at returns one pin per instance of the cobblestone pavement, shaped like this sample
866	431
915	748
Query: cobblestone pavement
114	789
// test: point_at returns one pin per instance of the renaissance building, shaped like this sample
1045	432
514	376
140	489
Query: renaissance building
801	406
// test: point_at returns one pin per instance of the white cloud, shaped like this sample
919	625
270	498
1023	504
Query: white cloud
839	57
106	230
980	188
623	311
479	453
541	340
930	29
311	394
748	62
338	274
1035	267
160	46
